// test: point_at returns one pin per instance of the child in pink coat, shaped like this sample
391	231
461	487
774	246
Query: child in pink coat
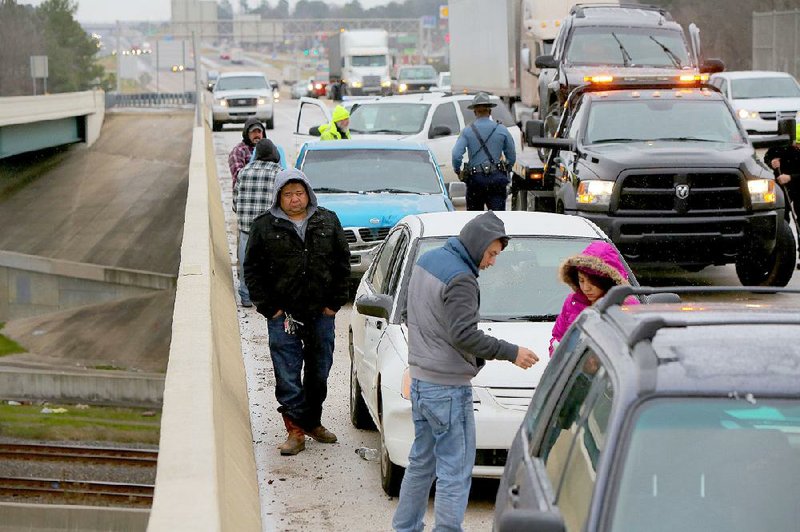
590	274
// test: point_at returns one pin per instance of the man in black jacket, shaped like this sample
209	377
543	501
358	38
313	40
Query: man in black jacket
297	267
785	164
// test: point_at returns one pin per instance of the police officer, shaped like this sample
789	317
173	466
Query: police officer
785	164
486	173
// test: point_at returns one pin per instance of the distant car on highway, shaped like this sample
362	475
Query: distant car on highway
241	95
640	423
521	297
416	78
433	119
370	185
225	56
301	88
443	84
760	98
318	85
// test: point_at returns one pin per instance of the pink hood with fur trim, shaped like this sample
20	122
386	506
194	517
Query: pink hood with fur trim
599	258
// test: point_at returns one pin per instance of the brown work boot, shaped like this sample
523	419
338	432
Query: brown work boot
295	441
322	435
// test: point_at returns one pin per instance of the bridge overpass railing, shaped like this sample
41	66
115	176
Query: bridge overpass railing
206	477
150	99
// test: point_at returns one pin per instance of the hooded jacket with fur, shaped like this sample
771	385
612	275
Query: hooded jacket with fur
599	258
445	345
297	268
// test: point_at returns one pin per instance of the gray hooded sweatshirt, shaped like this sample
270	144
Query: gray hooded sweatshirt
445	345
284	177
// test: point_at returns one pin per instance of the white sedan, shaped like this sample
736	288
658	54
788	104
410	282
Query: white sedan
521	297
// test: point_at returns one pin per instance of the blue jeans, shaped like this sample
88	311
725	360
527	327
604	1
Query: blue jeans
443	449
311	346
244	293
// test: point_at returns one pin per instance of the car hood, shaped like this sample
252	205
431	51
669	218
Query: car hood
768	104
243	93
380	209
503	374
615	157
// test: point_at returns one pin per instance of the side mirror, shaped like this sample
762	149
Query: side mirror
546	61
523	520
376	305
457	189
533	129
552	143
772	142
787	126
439	131
712	66
314	131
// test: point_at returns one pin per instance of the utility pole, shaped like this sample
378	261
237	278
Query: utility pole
119	61
198	108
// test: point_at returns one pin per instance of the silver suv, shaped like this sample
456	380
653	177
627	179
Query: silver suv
241	95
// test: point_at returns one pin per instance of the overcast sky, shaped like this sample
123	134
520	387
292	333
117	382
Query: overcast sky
110	11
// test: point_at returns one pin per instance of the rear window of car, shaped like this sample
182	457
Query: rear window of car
372	170
698	464
500	113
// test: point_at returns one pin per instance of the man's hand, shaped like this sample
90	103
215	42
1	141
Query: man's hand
525	358
277	314
783	178
775	163
328	312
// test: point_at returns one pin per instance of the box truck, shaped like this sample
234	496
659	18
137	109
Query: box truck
360	62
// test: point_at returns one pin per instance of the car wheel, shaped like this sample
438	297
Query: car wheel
271	123
359	415
774	270
391	474
216	126
551	119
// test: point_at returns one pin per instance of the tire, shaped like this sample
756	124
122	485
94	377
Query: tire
216	126
391	474
359	415
519	200
271	123
694	268
551	119
774	270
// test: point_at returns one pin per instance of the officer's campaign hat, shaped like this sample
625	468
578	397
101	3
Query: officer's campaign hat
481	99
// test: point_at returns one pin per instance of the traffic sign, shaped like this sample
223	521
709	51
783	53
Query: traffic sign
444	11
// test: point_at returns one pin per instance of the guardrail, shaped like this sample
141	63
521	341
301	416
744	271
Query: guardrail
149	99
206	477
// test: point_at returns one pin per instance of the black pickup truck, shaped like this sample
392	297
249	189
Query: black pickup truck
666	170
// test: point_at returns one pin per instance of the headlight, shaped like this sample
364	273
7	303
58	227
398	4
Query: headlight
276	95
762	191
262	101
311	86
388	83
318	86
403	87
357	84
222	102
592	192
744	114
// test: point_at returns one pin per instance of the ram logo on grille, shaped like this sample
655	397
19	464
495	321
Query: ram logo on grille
682	191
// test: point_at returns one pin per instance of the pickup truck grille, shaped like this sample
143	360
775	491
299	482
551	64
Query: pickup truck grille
365	235
372	81
712	193
242	102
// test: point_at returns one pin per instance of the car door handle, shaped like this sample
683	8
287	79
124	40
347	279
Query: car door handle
513	495
378	324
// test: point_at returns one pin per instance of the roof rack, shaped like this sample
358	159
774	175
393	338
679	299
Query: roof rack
579	10
647	327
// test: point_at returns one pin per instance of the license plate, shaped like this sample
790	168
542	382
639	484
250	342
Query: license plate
242	102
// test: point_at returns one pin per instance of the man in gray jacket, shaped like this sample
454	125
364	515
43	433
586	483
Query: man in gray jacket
445	351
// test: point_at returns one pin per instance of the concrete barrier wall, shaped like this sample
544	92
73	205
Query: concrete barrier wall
206	478
32	285
53	108
51	517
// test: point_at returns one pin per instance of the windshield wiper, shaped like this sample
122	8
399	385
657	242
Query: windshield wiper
626	56
393	190
353	130
388	131
675	59
534	317
621	139
688	138
332	190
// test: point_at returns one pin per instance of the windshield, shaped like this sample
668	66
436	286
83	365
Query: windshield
389	118
368	60
417	73
365	170
627	47
644	120
498	113
524	281
241	83
700	464
743	89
